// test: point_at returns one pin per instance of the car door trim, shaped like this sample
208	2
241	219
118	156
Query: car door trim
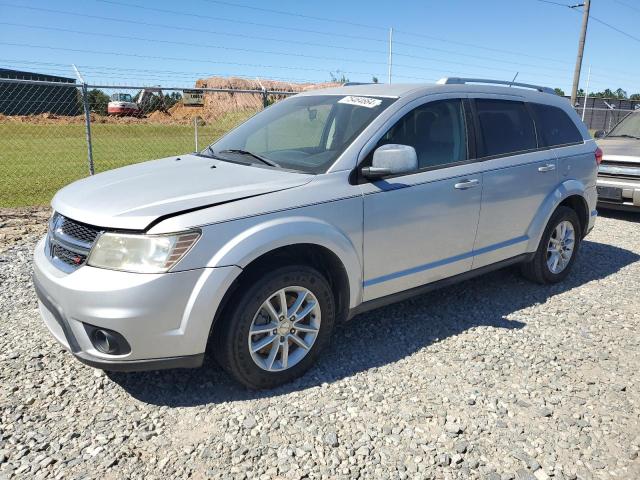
444	261
428	287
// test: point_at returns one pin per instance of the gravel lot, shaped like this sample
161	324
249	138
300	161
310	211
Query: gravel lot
494	378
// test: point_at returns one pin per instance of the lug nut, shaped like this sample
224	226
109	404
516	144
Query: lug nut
293	330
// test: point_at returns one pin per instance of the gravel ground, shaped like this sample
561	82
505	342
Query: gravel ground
493	378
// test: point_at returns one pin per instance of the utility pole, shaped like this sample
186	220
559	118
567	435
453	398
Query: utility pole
583	36
390	53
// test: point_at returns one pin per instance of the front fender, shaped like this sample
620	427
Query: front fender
555	198
250	244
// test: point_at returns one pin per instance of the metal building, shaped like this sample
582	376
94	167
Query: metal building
31	99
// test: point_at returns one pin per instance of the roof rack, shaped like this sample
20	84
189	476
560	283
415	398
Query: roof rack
463	81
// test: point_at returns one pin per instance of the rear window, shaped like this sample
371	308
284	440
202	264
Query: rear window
505	127
554	126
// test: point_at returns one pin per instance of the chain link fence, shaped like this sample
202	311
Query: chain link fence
53	133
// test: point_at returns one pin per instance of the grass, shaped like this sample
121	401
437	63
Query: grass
36	160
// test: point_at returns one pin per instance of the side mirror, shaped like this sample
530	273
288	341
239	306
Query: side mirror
599	134
392	159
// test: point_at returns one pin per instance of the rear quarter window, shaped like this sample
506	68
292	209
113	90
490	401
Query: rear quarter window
505	127
554	126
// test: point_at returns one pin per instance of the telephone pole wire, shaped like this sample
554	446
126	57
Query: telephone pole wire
583	36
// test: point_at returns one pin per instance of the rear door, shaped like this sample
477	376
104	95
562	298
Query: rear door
518	174
420	227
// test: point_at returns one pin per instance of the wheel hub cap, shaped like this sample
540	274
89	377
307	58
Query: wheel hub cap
560	247
284	328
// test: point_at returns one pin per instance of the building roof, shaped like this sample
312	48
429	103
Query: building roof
43	77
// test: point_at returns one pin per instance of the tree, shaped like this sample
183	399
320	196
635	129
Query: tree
339	77
171	100
635	96
374	79
98	101
559	91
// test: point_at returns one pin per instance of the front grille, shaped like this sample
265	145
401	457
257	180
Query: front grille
67	256
79	231
69	242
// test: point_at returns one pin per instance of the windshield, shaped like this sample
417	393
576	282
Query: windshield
305	133
628	127
122	97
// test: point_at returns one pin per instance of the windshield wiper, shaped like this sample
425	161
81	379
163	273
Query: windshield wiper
266	161
212	154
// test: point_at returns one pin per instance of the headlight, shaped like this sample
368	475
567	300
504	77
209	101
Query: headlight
141	253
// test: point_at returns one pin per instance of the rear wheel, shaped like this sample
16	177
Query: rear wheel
276	326
557	250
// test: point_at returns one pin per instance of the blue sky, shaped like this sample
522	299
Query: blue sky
113	41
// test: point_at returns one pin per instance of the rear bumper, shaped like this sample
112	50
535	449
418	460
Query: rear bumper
630	193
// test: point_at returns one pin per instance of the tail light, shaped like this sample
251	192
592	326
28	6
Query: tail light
598	155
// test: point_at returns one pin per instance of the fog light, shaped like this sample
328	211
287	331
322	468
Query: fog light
107	341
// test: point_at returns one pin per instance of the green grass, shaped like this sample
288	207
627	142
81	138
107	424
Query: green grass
36	160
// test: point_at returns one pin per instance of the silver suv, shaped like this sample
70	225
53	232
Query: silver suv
320	207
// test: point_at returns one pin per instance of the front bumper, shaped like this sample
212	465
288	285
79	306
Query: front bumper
165	318
630	193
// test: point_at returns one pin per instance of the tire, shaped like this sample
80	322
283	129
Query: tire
247	312
538	269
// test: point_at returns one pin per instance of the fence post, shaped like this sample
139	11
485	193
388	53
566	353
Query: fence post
265	98
87	126
195	130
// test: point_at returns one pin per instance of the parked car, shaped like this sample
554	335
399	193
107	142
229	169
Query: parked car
322	206
619	173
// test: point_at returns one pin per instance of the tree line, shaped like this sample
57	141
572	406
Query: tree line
618	94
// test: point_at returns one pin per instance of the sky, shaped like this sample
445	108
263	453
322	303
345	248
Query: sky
174	43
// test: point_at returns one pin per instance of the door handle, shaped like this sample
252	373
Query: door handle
465	184
549	167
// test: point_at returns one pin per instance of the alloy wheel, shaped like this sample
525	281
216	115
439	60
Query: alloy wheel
284	328
560	247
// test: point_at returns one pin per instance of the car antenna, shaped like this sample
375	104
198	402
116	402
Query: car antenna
514	78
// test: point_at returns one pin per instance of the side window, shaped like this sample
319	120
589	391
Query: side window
554	126
436	130
505	127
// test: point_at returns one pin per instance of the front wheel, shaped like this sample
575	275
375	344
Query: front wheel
276	326
557	250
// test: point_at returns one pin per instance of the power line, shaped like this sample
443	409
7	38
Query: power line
142	71
188	44
246	50
627	5
602	22
292	14
596	19
232	20
137	23
178	59
192	29
333	20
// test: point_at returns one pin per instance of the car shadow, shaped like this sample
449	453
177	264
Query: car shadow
619	215
386	335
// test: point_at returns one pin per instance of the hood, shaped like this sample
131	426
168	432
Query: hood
132	197
620	149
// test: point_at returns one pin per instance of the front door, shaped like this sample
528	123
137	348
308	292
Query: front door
421	227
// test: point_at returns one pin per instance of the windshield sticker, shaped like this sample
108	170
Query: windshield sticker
360	101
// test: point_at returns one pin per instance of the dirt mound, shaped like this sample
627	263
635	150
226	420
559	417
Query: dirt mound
216	104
